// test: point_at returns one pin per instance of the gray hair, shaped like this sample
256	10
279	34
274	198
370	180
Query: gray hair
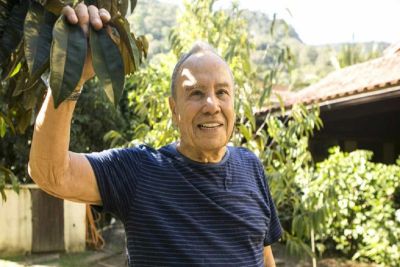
198	47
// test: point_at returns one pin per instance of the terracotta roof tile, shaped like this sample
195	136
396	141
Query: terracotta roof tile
372	75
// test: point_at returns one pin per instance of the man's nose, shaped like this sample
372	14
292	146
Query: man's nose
211	104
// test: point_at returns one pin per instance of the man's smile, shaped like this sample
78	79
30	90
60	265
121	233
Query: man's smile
210	125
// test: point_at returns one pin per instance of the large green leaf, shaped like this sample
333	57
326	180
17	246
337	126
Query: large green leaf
13	29
126	7
12	66
143	44
31	97
90	2
133	4
55	6
68	53
129	64
24	119
122	25
107	63
123	6
110	5
8	122
38	36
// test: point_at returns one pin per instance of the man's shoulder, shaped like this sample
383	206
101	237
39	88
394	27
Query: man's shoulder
137	151
242	153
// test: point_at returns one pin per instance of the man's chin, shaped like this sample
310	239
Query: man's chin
208	146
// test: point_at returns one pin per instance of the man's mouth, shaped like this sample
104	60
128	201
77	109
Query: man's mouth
209	125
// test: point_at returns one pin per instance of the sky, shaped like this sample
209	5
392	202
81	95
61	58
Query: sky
332	21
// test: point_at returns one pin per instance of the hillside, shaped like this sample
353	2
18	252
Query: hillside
310	63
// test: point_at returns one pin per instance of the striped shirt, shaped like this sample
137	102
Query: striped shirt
178	212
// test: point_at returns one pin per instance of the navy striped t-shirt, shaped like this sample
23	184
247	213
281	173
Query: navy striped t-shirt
178	212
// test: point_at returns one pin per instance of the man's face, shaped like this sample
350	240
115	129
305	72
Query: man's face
203	105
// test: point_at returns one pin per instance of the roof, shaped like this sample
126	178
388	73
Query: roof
357	79
354	81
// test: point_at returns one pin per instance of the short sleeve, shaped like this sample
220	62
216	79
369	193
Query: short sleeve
117	172
274	229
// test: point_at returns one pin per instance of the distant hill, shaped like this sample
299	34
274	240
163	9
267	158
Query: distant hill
155	19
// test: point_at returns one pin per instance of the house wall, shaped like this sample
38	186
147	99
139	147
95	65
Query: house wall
74	226
16	223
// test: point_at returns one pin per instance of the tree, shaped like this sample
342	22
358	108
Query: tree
35	39
351	54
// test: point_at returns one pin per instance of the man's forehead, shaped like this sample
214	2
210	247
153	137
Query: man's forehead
188	78
203	66
204	57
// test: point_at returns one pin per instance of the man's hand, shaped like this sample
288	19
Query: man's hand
83	15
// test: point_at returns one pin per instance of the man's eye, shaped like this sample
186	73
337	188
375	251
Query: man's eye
196	93
222	92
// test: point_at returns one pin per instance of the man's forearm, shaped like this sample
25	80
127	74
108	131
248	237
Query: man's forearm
269	260
50	142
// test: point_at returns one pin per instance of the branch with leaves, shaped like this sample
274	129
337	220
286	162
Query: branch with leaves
38	46
35	38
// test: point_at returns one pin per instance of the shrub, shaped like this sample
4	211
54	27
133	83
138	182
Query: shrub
366	222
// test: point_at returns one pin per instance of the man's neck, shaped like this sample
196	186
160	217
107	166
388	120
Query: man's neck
209	156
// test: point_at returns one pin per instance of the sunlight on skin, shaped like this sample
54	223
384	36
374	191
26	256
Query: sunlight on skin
190	79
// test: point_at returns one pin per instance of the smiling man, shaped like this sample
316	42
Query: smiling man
202	104
195	202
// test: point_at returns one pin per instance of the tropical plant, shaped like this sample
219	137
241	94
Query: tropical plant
37	44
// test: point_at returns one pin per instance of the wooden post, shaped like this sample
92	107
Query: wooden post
314	259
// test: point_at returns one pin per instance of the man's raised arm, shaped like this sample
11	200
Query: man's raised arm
56	170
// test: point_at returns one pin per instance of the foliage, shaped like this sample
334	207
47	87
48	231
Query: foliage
289	165
148	97
7	176
50	40
34	37
154	19
351	54
365	223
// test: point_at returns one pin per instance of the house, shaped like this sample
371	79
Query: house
360	108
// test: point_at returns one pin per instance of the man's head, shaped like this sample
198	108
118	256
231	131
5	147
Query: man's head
202	102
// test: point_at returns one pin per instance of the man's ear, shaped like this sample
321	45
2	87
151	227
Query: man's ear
172	106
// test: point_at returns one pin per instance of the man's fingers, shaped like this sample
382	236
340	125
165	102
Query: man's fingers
95	17
69	13
83	16
104	15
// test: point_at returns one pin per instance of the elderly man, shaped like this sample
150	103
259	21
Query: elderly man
196	202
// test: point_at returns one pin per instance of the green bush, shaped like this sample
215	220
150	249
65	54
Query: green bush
365	224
